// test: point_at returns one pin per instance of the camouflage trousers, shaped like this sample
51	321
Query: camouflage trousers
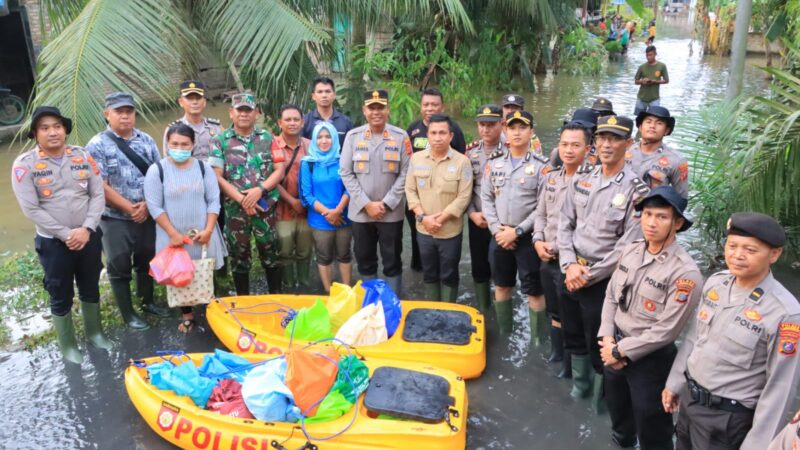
239	227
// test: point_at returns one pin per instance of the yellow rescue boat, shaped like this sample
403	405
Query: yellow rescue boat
178	420
244	325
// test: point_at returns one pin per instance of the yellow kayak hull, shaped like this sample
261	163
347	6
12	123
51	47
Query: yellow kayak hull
177	420
262	333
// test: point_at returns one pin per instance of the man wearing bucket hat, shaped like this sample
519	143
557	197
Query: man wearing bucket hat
58	187
650	297
651	159
737	372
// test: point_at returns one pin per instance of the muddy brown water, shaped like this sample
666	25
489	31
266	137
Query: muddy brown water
516	404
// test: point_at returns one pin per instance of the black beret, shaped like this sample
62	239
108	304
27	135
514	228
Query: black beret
759	226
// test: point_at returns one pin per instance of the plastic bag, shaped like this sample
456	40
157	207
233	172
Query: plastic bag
184	379
226	399
341	304
332	407
351	380
266	395
310	324
172	266
310	375
366	327
379	291
224	364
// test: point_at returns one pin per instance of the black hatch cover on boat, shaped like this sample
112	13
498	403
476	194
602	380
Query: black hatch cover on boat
438	326
408	394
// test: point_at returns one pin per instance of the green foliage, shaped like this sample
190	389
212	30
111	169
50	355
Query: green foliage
613	46
583	53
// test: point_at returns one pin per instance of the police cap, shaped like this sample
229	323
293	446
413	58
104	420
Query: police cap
193	87
489	113
585	117
520	116
759	226
514	99
379	96
602	104
619	125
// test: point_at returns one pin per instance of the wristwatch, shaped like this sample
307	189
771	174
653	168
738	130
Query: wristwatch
519	231
420	217
615	353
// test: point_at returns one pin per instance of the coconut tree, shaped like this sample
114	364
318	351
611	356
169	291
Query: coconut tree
97	46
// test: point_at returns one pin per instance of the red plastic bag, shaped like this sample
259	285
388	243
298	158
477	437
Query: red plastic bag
226	399
310	374
172	266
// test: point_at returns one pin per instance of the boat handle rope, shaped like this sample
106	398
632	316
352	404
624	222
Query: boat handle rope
306	446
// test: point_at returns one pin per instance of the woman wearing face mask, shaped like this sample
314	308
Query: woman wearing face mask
324	196
184	202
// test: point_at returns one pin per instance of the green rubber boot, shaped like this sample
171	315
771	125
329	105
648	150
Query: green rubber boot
303	272
581	376
483	297
538	320
93	326
65	332
289	280
449	294
598	394
505	316
433	292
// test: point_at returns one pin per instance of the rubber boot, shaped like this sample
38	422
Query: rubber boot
274	277
566	367
65	332
303	268
241	282
122	294
92	326
396	283
144	289
287	277
538	320
432	292
505	316
556	345
581	376
598	394
483	296
449	294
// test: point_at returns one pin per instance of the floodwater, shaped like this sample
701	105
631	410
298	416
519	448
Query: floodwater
517	403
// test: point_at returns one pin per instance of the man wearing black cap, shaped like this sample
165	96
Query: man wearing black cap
490	129
649	77
123	154
651	159
59	189
650	297
597	222
512	103
603	107
193	101
373	168
737	372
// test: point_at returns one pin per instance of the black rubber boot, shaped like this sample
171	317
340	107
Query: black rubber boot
556	345
241	282
144	289
566	367
274	279
122	294
624	442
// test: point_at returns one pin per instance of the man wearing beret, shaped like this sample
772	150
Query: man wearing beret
58	187
651	159
649	299
123	154
736	373
373	167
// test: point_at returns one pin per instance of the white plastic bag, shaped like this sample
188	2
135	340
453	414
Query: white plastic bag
366	327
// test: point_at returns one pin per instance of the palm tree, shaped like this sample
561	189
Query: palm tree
98	46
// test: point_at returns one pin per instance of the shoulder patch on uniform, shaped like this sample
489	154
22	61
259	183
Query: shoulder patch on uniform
496	154
19	173
788	334
684	288
640	186
213	121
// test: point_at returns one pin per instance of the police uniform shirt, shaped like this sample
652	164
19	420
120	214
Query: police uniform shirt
436	186
660	293
373	168
663	167
478	155
58	196
787	439
204	134
509	194
418	132
742	345
598	219
548	210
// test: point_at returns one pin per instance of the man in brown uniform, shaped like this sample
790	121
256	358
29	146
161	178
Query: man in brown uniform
736	373
438	190
650	297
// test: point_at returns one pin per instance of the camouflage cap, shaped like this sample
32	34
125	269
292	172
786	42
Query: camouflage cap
243	99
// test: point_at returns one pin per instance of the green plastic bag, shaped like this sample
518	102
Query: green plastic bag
332	407
310	324
344	393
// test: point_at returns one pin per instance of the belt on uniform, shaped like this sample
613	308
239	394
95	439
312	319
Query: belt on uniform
584	261
705	398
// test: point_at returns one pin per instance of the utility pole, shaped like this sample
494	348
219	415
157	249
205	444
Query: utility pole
744	10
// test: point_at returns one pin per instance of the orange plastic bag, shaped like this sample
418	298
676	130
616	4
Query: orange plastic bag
310	374
172	266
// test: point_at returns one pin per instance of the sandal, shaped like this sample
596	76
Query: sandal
186	326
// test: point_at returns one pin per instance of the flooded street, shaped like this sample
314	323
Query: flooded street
516	404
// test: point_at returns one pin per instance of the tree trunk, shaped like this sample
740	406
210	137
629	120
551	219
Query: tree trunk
768	52
744	10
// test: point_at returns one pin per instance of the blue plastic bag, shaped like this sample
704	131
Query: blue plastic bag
378	291
266	395
224	364
184	379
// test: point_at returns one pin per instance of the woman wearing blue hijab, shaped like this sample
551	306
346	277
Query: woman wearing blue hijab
324	196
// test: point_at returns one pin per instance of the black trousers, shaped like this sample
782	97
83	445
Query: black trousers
368	237
553	287
580	321
440	258
62	266
700	427
633	396
479	241
412	226
523	260
128	245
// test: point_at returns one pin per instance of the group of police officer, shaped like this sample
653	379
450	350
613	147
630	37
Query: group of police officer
590	233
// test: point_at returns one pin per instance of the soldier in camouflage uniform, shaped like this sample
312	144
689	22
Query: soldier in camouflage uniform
248	171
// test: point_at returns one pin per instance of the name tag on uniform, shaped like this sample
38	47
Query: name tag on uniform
451	169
